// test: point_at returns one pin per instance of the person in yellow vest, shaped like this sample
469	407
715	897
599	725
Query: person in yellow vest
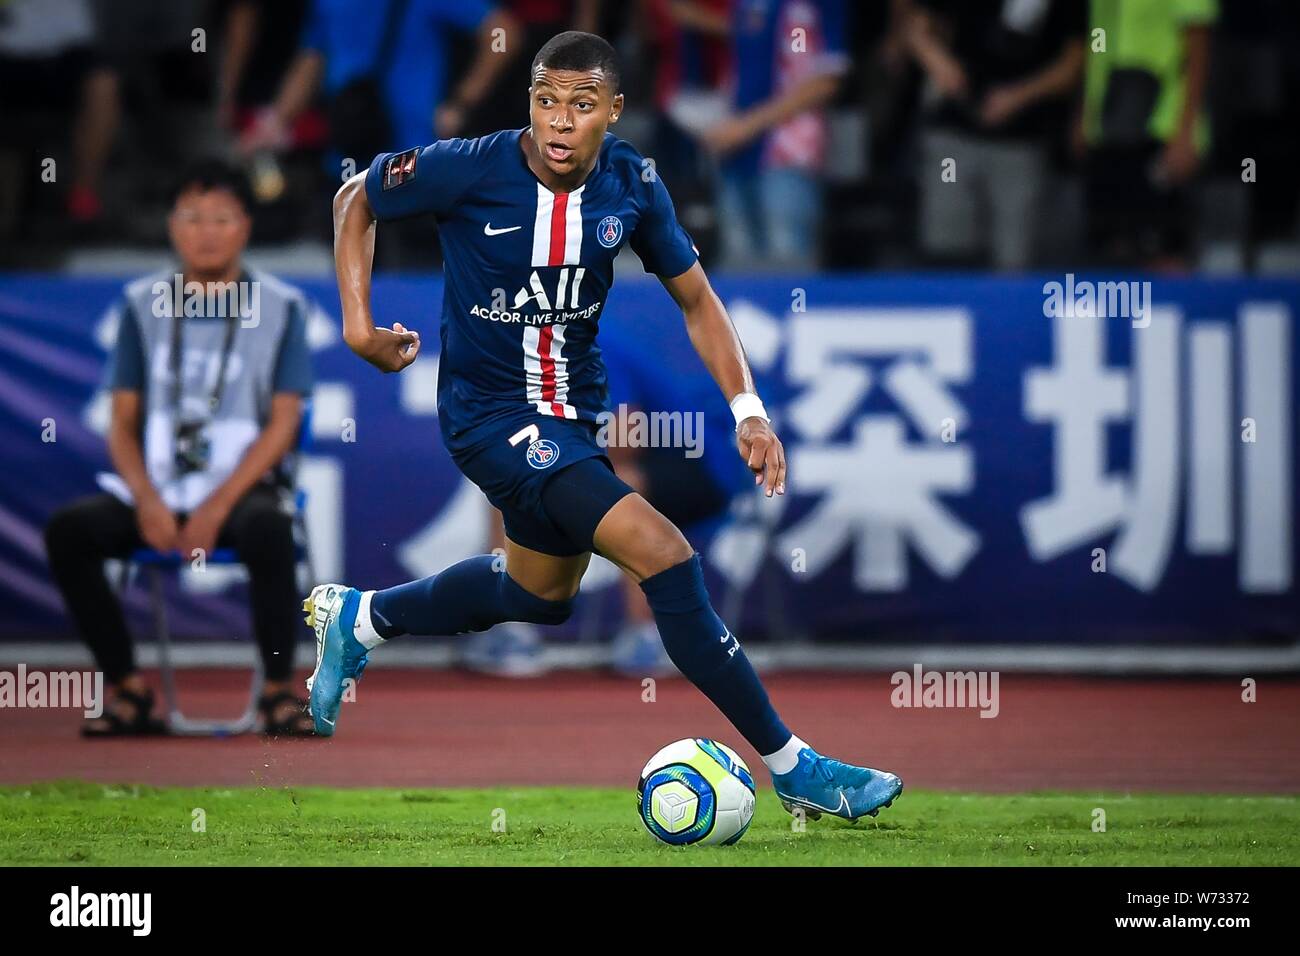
1144	128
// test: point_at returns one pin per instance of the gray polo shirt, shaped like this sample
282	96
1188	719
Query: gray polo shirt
265	320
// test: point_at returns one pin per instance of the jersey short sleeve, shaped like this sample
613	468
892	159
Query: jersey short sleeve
423	180
293	371
662	244
126	363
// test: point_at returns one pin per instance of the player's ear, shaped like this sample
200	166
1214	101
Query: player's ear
616	108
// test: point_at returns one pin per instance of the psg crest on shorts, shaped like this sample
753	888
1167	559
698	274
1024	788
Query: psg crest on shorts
542	453
610	231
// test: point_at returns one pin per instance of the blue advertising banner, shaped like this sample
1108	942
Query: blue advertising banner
1047	459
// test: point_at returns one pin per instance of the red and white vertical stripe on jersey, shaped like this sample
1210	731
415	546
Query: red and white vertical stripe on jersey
557	230
547	370
557	241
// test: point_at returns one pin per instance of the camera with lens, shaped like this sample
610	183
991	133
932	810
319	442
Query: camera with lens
193	447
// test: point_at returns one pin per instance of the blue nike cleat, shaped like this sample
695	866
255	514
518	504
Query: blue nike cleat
331	613
822	785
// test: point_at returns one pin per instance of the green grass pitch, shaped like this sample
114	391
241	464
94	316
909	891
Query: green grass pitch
81	824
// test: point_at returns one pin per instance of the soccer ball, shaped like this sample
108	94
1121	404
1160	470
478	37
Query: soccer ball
696	791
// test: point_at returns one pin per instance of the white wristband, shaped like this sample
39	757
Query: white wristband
748	405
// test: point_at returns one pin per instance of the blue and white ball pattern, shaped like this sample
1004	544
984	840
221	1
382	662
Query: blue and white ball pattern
696	791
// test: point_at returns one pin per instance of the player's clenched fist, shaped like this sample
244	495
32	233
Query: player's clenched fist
764	454
389	350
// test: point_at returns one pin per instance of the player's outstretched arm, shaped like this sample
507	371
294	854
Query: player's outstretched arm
389	350
717	343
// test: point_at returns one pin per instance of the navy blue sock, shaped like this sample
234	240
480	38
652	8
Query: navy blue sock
703	649
469	596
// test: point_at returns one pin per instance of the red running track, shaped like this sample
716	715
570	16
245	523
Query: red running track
435	728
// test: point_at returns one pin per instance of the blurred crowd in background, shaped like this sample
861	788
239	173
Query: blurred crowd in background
793	134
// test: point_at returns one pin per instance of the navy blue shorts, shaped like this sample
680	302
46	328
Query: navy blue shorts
513	460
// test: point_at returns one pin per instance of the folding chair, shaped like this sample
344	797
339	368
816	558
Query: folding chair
156	563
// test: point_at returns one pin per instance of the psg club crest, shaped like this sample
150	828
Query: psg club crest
610	231
542	453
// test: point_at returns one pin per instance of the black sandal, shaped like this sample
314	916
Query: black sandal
141	724
298	724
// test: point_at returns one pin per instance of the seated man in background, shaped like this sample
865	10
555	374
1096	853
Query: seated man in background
205	408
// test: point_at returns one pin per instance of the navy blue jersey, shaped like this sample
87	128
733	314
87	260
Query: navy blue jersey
527	270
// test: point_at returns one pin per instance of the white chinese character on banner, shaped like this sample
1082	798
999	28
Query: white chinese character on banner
1080	396
879	492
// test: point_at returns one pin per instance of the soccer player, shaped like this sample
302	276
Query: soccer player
531	221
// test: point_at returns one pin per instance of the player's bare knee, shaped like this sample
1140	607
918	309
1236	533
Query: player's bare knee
664	549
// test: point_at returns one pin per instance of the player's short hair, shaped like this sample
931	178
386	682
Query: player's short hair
206	175
575	50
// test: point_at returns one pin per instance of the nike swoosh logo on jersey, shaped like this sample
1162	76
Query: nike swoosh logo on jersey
489	231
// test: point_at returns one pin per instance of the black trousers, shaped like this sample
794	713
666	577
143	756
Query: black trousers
81	536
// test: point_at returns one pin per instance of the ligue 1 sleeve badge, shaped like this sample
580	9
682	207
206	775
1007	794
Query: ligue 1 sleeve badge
610	231
400	168
542	453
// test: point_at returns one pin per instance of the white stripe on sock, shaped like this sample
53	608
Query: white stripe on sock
363	630
785	759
